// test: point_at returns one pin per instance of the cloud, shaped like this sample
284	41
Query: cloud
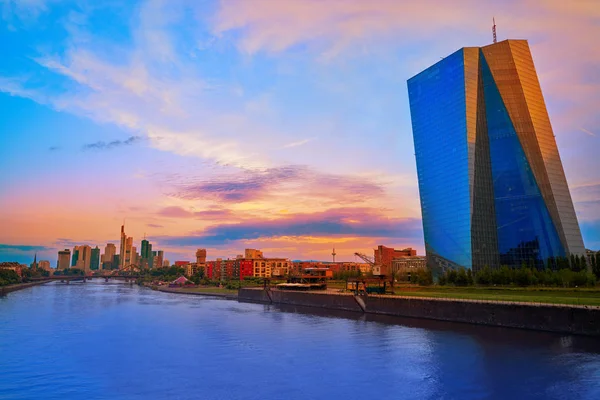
298	143
281	181
6	248
209	214
24	11
154	226
114	144
587	131
343	222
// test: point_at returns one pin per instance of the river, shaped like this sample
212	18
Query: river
111	340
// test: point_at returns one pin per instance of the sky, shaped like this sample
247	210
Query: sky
281	125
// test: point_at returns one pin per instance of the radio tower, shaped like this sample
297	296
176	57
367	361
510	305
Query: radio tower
333	254
494	29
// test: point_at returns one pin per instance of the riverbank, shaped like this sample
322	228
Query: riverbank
198	291
572	319
4	290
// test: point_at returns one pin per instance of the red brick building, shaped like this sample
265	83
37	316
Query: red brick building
385	255
243	268
181	263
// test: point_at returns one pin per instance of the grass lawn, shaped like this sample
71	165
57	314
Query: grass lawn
535	295
209	290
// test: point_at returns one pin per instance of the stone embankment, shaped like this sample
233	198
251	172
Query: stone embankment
581	320
13	288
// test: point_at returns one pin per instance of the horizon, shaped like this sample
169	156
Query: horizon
228	126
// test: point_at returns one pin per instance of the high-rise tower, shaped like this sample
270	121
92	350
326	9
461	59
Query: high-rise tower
492	186
122	248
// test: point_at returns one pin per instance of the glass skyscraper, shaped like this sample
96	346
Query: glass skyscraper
492	186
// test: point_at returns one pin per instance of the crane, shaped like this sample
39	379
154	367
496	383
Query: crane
371	262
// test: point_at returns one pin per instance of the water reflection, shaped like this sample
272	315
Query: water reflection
110	340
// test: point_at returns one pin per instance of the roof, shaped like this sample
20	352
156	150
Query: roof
181	279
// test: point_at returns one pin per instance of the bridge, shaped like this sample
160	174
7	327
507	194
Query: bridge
84	278
126	273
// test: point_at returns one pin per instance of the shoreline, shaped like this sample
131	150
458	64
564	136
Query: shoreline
4	290
570	319
227	296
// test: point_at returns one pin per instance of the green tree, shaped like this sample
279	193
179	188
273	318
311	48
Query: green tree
461	277
8	277
484	276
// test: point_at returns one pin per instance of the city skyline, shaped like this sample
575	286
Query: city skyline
212	126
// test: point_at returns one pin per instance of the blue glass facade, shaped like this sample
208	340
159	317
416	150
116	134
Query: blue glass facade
486	197
526	233
438	109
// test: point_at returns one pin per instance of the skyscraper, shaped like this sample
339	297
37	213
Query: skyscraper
122	247
75	256
64	257
108	258
493	190
158	260
125	255
200	256
84	258
147	258
95	259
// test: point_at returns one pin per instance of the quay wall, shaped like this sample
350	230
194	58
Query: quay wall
315	299
581	320
553	318
254	295
19	286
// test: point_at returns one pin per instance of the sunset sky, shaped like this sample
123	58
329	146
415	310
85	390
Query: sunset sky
281	125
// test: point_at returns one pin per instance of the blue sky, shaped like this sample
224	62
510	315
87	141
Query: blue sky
225	95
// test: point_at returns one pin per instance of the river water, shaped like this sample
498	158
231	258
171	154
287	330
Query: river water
101	340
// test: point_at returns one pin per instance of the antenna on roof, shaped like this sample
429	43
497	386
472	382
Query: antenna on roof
494	29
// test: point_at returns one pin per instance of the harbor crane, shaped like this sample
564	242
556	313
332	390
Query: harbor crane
377	270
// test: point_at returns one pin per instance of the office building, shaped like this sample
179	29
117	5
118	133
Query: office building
64	256
200	256
385	255
84	257
492	186
126	252
158	258
95	259
45	265
253	254
75	256
108	257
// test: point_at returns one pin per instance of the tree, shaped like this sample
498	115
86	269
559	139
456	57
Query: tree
461	278
596	264
8	277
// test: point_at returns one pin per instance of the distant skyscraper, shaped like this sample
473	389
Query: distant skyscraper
95	259
64	257
84	258
147	258
127	252
45	265
122	248
145	248
108	258
158	259
493	191
200	256
75	256
134	255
